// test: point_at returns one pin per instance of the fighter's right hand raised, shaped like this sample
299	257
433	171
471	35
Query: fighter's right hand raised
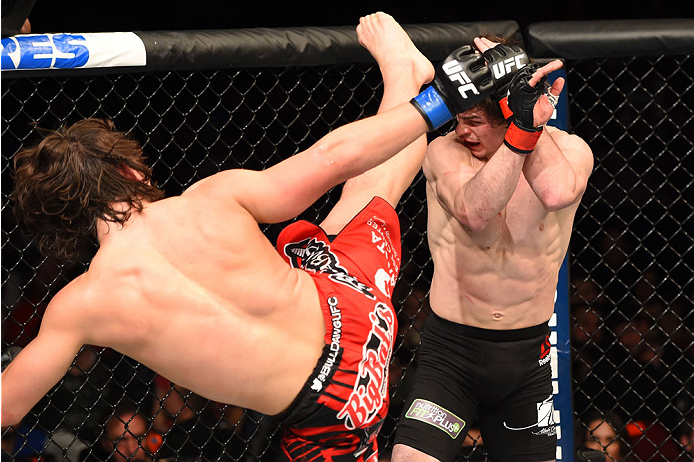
505	62
462	80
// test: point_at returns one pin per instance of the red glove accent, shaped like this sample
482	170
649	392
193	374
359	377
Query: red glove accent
521	141
505	110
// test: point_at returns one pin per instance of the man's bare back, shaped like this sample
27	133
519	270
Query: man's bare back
206	288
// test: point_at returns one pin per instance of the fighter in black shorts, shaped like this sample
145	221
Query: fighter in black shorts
502	192
502	376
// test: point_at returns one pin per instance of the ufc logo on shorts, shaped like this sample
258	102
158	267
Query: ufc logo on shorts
455	73
504	67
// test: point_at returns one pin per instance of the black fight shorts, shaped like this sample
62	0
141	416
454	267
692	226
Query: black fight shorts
502	377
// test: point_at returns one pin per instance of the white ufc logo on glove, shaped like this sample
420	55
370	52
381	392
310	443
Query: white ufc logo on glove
455	73
504	67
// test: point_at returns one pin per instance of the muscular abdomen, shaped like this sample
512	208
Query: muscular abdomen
503	277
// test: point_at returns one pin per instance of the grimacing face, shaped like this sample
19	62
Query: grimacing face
476	132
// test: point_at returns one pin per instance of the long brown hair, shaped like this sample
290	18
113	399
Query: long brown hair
70	180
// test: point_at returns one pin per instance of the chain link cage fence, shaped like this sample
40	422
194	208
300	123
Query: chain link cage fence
632	331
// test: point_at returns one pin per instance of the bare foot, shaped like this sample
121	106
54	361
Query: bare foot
393	49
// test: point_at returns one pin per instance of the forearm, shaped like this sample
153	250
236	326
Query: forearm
17	396
13	408
30	375
486	194
550	175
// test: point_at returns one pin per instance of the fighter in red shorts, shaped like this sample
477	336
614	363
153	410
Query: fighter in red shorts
345	399
190	287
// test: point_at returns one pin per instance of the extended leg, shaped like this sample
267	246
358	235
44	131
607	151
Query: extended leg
405	70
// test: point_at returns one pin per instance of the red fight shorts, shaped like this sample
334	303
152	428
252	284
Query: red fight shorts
341	408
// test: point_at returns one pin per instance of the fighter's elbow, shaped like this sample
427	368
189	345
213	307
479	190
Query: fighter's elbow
558	200
472	222
471	217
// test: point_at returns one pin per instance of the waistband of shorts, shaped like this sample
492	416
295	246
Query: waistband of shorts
286	414
325	289
492	335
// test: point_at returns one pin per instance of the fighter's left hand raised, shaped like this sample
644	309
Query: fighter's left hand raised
532	103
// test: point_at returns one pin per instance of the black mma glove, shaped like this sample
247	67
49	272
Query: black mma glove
522	135
462	80
505	61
